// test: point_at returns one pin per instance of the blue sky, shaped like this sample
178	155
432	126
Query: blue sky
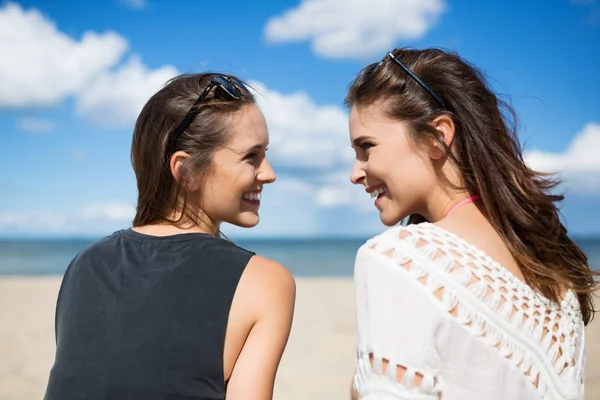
74	75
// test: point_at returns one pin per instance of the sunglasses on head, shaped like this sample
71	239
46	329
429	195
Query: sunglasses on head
412	75
223	82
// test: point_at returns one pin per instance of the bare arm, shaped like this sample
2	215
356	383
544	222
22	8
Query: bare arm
269	291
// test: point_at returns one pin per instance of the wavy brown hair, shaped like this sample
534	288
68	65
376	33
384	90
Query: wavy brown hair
159	194
519	202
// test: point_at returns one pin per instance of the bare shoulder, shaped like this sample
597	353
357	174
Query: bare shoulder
265	298
267	284
266	272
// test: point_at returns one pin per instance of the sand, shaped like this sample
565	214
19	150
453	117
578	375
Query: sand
317	364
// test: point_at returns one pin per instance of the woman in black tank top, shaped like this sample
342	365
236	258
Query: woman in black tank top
168	309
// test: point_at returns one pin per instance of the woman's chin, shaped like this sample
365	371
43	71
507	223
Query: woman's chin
247	220
389	220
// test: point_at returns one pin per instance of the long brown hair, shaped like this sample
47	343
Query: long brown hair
159	194
517	201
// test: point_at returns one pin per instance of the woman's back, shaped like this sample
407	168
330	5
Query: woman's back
167	309
454	321
142	316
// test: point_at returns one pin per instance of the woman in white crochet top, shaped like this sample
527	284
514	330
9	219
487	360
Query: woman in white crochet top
483	295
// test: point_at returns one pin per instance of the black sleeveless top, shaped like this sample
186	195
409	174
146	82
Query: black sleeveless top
144	317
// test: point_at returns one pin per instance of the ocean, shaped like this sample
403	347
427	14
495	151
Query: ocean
303	257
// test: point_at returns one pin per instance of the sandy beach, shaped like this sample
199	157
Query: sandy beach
318	362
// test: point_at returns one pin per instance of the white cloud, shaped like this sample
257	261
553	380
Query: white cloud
304	134
116	98
136	4
107	212
354	28
36	125
32	219
289	191
92	219
41	65
579	164
46	66
336	190
336	195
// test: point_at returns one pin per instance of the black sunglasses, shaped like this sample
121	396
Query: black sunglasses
412	75
226	83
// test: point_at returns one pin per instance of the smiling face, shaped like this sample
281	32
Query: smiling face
231	191
395	171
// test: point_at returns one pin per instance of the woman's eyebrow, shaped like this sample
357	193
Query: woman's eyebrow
253	148
257	147
359	139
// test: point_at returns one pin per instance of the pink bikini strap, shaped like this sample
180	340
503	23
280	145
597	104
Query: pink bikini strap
462	203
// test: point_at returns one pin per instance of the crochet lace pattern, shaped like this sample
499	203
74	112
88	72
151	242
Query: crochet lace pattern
540	338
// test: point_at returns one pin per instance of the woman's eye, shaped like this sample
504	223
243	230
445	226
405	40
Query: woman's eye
366	146
255	156
251	156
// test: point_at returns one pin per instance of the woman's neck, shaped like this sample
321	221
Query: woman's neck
442	202
171	228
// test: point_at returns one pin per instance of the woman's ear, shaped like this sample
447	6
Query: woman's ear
176	164
444	125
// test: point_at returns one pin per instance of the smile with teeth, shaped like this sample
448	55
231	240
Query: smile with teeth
378	191
254	196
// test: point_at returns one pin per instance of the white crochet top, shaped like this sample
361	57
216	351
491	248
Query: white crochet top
437	318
